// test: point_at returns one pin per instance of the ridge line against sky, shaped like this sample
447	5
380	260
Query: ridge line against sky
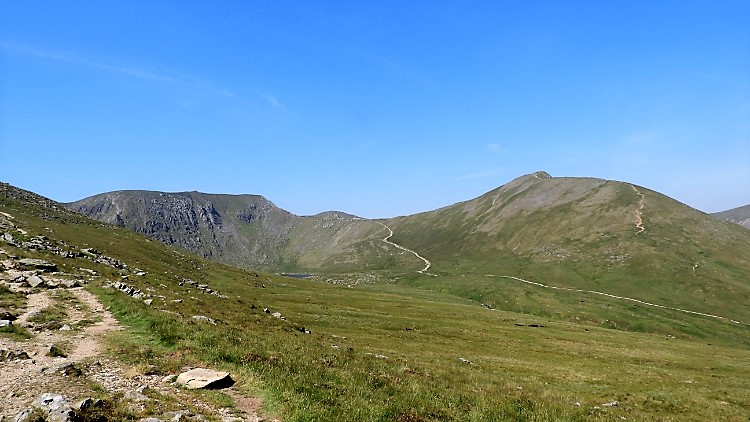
374	109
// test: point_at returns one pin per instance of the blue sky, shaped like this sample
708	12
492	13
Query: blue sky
376	108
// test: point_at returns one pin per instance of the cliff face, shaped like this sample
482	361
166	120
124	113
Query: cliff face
244	230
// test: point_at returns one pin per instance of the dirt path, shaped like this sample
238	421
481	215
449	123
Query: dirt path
427	263
639	212
23	379
89	344
655	305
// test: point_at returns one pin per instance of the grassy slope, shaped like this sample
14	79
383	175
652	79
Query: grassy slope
518	372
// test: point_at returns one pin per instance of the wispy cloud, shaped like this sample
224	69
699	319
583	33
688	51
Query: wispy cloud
174	78
274	102
76	59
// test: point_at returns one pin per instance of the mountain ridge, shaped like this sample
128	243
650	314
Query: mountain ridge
387	351
739	215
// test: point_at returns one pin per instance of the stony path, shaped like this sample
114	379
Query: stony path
427	263
23	379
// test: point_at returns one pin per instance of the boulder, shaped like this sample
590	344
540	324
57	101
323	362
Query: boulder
204	378
39	264
55	406
35	281
5	323
23	416
203	318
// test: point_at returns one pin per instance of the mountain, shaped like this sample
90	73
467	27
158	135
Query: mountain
387	350
245	230
571	233
739	215
581	234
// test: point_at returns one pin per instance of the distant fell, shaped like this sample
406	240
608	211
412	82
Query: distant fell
577	232
739	215
244	230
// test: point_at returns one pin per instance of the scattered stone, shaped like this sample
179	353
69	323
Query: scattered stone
278	315
466	361
35	281
65	327
13	355
179	416
5	323
90	404
202	318
266	310
377	356
136	396
148	302
612	404
69	284
6	314
55	406
71	370
204	378
176	300
169	379
151	420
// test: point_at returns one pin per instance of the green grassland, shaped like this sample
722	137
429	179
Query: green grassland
410	347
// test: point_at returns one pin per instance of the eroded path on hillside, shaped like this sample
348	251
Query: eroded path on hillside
594	292
427	263
31	370
78	341
639	212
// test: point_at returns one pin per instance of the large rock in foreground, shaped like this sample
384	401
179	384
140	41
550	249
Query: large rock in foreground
204	378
